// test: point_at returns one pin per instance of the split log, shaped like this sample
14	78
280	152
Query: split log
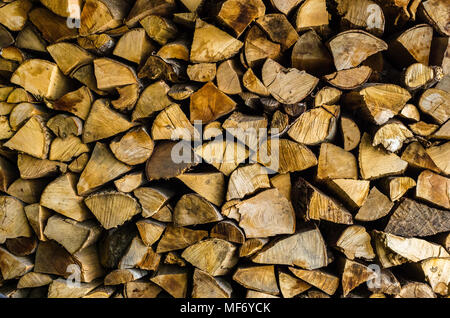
77	102
101	292
362	14
170	241
237	14
192	209
112	208
439	155
312	14
52	27
443	132
258	48
33	280
410	112
228	77
376	163
214	256
247	180
159	29
210	185
351	78
432	188
78	164
354	274
141	288
416	290
210	44
433	10
97	17
251	82
143	8
317	278
280	122
327	96
138	255
378	102
227	230
376	206
291	286
278	28
305	248
24	111
124	276
336	163
28	191
110	74
352	192
412	46
247	129
113	244
73	236
259	278
414	219
172	279
172	124
207	286
66	149
419	75
288	86
436	272
12	266
130	182
178	49
101	168
392	135
435	102
315	205
269	204
423	129
417	157
150	231
61	196
133	148
398	186
128	96
61	288
202	72
134	46
37	216
355	242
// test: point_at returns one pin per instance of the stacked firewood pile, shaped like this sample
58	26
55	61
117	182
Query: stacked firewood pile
235	148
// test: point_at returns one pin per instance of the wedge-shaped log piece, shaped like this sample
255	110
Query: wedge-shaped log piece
246	128
432	188
77	102
384	282
61	288
78	164
375	162
101	168
351	192
247	180
172	124
312	14
192	209
285	6
33	280
172	279
14	15
51	258
306	249
69	56
231	11
28	191
141	288
228	230
378	102
398	186
259	278
66	149
86	76
251	246
283	183
267	205
288	86
174	258
414	219
362	14
317	278
61	196
42	78
376	206
112	208
207	286
169	160
412	46
423	129
176	238
351	48
8	173
403	250
134	46
202	72
153	99
133	148
437	273
61	8
315	126
210	185
418	75
278	29
257	47
392	135
110	74
33	138
209	103
114	243
138	255
100	16
354	274
317	206
436	103
214	256
12	266
228	77
336	163
436	12
311	55
37	216
150	231
417	157
351	78
152	199
439	155
72	235
24	111
354	242
98	124
33	168
143	8
128	97
252	83
410	112
14	221
291	286
64	126
159	29
124	276
101	292
210	44
53	28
